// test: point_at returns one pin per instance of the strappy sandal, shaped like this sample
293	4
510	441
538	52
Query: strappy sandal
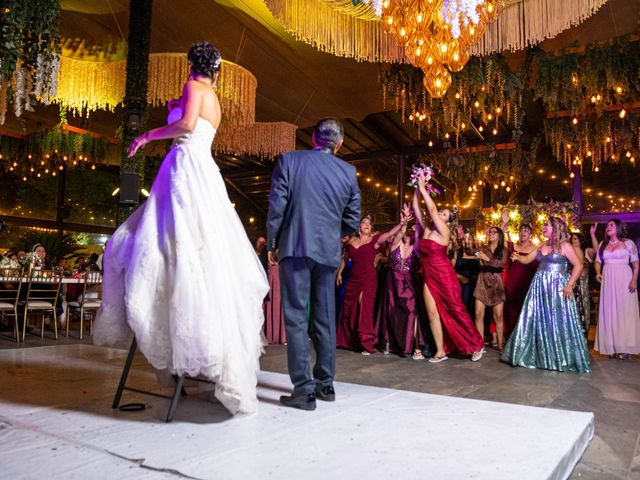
476	356
417	355
438	359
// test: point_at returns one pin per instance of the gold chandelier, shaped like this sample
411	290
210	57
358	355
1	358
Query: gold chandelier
436	44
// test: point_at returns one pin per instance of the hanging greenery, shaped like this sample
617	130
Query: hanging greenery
590	98
484	96
29	53
44	152
468	171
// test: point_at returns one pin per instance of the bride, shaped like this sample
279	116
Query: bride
181	272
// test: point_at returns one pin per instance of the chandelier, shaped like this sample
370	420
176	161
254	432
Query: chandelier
436	35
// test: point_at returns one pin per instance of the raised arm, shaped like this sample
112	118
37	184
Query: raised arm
569	252
398	231
417	210
397	239
441	226
594	239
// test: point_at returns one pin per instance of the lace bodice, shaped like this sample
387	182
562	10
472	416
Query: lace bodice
202	134
624	255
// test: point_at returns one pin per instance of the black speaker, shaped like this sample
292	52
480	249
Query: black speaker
129	188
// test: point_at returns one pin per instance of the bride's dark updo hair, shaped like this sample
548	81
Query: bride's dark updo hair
205	59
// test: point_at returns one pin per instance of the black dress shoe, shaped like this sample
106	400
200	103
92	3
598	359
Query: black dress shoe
327	394
303	402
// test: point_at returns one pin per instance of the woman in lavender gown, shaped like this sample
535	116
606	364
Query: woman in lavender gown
616	267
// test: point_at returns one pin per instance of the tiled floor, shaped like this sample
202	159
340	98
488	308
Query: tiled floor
611	391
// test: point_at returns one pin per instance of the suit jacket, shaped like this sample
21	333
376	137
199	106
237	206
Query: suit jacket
314	201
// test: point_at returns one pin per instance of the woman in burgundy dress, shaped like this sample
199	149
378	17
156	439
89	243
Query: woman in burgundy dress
355	329
519	279
452	327
273	316
398	318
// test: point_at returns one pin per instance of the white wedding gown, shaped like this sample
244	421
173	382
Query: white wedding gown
183	276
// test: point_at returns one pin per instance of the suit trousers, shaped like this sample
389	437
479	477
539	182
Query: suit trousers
303	282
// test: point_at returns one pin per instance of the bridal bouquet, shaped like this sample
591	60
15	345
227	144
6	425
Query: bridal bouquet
427	171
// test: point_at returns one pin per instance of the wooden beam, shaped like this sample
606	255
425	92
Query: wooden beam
612	108
240	192
81	131
421	149
9	133
603	218
583	48
52	224
500	147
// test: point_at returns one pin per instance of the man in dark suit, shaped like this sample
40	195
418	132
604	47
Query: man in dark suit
314	201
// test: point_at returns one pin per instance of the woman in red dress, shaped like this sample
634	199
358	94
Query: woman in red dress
355	329
451	326
519	279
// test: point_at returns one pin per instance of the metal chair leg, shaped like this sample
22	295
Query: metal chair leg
176	396
125	373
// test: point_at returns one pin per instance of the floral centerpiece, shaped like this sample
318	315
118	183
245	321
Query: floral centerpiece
30	258
427	172
7	262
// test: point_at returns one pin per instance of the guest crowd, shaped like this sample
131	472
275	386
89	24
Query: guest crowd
427	289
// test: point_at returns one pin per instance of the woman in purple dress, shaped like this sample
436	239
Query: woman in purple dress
397	317
618	330
355	329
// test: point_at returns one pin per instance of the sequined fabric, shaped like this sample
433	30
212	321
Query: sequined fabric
548	334
399	264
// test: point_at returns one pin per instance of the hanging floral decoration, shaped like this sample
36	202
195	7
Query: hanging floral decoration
236	86
533	213
338	27
262	139
47	152
484	97
465	173
87	86
29	53
592	99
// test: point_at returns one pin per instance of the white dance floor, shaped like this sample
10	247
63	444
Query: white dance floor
56	421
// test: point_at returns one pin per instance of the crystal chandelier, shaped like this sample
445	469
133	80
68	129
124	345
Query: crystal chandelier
437	34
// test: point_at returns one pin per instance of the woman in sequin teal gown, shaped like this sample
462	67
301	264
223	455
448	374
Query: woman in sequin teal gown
549	334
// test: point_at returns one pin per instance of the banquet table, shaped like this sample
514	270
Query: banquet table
65	282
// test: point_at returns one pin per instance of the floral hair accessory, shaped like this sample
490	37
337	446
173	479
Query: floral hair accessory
427	172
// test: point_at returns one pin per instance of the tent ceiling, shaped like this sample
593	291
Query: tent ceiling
296	82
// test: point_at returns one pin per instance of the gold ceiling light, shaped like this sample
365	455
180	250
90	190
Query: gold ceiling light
437	35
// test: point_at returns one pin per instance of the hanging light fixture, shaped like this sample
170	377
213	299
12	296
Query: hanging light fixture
437	34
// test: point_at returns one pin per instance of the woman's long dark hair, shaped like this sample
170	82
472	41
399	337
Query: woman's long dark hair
621	233
497	253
